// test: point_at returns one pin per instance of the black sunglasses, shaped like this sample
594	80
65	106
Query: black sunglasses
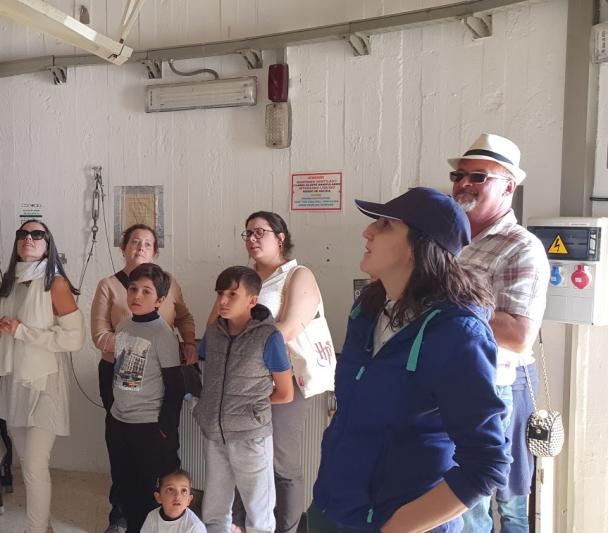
37	234
475	177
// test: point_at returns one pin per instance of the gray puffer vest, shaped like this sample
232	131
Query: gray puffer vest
235	401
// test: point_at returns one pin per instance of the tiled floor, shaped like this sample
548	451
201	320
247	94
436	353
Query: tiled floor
79	503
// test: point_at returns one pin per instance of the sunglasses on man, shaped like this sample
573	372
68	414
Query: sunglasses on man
477	177
37	234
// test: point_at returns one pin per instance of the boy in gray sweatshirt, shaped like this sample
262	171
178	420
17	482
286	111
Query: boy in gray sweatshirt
148	390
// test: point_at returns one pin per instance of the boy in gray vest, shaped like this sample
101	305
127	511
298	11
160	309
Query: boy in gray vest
246	369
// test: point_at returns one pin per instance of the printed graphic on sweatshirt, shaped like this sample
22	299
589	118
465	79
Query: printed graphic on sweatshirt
130	361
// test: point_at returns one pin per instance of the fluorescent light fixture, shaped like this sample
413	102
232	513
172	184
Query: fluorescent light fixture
229	92
48	19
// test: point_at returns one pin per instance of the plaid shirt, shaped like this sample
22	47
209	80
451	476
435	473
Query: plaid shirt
518	270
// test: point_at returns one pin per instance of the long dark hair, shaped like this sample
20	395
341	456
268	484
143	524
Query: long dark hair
278	225
53	266
437	277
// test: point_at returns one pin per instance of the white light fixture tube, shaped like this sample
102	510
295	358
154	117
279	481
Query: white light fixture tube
49	19
229	92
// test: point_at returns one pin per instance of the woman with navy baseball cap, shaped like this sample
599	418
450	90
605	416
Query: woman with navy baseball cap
417	437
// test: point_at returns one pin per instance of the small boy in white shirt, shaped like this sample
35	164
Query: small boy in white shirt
174	494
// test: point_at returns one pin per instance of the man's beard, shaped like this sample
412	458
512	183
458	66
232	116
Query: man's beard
466	200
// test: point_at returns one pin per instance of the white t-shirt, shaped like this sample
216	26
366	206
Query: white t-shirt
187	523
272	287
384	332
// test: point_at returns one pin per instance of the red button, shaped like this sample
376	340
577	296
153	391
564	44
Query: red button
580	278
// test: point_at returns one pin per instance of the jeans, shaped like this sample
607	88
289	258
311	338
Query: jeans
248	465
514	515
319	523
34	447
478	519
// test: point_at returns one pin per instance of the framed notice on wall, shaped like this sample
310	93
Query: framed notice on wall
139	205
320	191
30	211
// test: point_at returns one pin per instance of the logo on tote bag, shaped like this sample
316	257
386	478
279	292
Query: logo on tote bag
324	353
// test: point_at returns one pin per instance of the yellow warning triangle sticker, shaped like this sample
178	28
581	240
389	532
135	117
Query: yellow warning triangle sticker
558	246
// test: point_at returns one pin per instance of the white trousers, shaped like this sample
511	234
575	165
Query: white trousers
34	447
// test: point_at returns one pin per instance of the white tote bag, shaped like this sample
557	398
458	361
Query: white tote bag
312	353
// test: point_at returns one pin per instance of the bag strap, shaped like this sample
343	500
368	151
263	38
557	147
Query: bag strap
412	360
320	309
543	365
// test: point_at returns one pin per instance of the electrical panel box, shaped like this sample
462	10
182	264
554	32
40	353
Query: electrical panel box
577	249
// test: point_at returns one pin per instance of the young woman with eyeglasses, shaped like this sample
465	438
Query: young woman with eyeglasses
268	244
39	323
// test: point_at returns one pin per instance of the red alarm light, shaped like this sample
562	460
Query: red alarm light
278	82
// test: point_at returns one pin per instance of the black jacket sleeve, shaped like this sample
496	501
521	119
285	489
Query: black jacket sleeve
168	419
106	378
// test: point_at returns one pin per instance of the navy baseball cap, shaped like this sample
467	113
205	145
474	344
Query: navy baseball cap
433	213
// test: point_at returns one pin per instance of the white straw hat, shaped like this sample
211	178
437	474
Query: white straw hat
490	147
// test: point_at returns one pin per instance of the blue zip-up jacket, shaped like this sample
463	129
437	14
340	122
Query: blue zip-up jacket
397	432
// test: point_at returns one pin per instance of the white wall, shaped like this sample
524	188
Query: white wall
173	22
588	442
388	121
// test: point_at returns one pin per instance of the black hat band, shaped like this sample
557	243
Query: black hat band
489	153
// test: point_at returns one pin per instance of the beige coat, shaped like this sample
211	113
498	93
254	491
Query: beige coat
109	307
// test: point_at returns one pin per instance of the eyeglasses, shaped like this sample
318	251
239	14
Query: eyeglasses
476	177
37	234
258	233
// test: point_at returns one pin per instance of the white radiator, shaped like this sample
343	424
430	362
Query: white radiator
316	422
191	443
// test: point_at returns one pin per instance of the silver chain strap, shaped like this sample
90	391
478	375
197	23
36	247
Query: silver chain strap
543	365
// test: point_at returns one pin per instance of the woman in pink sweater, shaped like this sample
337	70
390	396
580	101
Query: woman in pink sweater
139	245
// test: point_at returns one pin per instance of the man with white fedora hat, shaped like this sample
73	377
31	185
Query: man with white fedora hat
484	180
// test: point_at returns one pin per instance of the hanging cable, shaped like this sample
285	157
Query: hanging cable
193	72
97	204
91	400
105	227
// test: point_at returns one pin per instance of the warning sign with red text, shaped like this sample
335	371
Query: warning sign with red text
321	191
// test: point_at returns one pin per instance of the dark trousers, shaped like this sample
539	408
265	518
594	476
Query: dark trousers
319	523
106	377
6	476
117	514
139	455
287	432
